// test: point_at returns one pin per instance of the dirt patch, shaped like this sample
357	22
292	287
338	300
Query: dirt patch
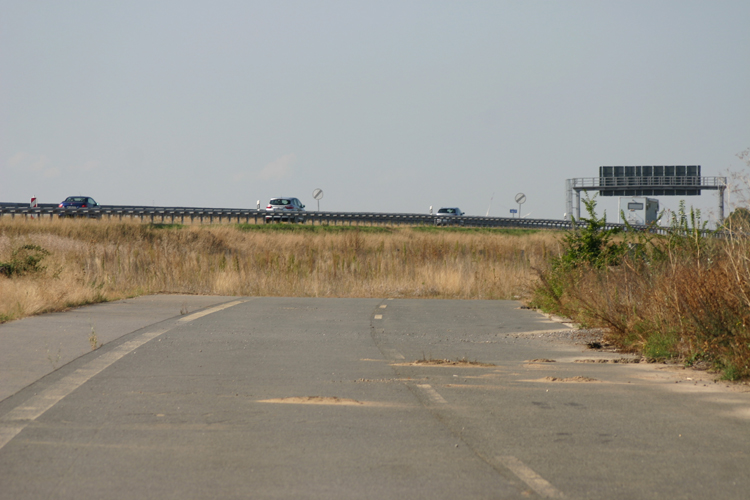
570	379
315	400
616	360
331	401
683	378
448	362
377	380
540	360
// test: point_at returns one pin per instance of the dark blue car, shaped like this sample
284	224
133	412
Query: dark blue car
78	202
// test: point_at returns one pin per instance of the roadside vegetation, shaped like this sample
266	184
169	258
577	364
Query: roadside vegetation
683	296
50	265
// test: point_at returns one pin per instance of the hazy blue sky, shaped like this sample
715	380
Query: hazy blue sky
385	105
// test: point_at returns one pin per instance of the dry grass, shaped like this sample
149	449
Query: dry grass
91	261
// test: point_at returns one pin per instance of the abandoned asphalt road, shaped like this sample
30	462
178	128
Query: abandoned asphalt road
347	398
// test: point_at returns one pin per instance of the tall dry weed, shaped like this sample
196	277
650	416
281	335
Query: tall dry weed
684	296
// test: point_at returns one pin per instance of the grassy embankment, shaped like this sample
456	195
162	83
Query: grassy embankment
685	296
51	265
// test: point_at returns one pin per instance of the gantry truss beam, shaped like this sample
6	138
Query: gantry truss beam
640	186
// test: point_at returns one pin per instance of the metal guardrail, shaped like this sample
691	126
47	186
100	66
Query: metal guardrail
227	215
239	215
222	215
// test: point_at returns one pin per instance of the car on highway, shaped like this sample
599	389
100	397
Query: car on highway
78	202
285	209
449	216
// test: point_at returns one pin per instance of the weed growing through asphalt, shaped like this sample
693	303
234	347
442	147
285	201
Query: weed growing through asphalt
93	339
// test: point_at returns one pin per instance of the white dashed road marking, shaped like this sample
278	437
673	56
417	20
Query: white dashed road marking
378	316
194	316
383	306
392	353
432	394
13	422
528	476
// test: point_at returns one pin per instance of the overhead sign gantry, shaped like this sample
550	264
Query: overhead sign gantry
653	180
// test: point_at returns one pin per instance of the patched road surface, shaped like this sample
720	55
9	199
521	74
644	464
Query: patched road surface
226	397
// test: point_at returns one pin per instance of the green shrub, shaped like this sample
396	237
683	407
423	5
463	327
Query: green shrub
587	248
660	346
24	260
591	245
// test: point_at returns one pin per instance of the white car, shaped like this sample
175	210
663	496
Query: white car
449	216
285	209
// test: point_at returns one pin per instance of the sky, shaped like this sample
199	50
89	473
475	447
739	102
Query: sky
387	106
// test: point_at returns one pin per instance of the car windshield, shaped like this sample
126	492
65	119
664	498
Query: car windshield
77	199
447	211
280	201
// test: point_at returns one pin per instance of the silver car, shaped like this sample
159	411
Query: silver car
285	209
449	216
